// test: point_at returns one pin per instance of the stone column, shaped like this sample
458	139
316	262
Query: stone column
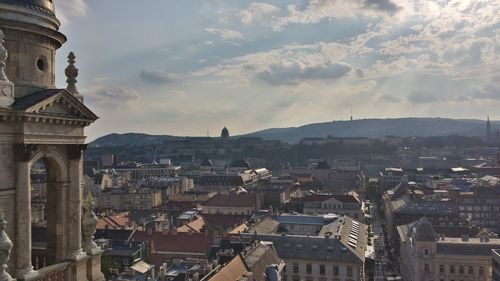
23	153
57	220
74	219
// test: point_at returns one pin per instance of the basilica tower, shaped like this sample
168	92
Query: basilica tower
39	122
32	38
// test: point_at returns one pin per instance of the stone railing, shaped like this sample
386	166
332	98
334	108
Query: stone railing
56	272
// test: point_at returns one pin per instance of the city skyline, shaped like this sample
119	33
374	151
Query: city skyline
255	65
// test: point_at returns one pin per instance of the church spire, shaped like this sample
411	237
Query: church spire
6	87
72	72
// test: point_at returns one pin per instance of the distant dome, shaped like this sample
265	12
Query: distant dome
240	164
422	230
224	133
206	163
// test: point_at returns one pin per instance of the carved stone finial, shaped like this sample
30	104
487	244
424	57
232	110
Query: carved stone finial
89	224
5	247
6	87
71	73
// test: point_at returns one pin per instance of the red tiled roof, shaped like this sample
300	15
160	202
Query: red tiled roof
116	221
223	222
232	200
199	243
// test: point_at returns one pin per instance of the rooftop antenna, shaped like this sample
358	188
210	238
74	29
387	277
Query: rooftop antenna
351	112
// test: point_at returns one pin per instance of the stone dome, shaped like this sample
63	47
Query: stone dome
422	230
224	133
42	6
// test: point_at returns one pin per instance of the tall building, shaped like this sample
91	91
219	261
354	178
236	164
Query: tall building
39	122
427	255
488	130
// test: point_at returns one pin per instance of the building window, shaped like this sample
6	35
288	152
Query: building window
452	269
295	268
481	270
426	268
461	269
471	270
309	268
426	252
322	269
349	271
335	270
441	268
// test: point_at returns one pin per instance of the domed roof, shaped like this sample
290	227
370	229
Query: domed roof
206	163
422	230
224	133
42	6
239	164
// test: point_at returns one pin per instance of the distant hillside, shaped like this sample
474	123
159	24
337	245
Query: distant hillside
373	128
130	139
420	127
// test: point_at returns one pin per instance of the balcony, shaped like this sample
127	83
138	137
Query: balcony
55	272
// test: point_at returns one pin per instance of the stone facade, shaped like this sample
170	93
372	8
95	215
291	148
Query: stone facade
41	123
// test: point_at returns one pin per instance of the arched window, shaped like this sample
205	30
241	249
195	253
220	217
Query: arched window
426	251
481	270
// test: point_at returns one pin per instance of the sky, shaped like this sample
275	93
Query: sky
191	67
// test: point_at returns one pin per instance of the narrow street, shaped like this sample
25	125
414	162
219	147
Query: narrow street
381	257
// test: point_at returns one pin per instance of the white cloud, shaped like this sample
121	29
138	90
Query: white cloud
256	12
159	76
68	10
225	34
112	96
318	10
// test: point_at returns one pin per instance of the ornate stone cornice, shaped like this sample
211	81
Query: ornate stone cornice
7	115
75	151
24	152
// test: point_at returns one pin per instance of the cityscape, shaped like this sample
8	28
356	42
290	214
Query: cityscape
308	140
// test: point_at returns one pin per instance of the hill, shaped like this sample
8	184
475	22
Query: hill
373	128
130	139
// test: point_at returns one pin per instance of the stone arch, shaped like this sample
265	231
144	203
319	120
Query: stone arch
57	184
54	161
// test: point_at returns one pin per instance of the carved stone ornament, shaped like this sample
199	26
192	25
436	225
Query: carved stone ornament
6	87
89	224
71	73
24	152
75	151
5	248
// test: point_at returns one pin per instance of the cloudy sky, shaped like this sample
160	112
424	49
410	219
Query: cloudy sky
192	66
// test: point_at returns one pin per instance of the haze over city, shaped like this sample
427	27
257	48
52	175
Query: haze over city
185	67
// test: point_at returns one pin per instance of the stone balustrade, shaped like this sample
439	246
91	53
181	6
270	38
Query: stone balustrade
55	272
